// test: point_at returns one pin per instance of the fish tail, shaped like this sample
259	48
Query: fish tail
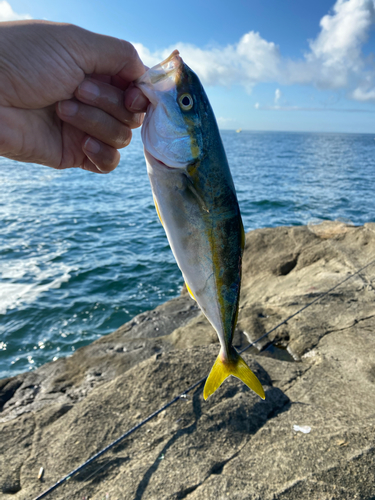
235	366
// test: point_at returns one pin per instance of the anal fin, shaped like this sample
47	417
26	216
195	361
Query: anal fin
190	292
157	211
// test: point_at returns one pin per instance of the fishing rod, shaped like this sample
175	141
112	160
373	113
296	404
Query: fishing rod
184	394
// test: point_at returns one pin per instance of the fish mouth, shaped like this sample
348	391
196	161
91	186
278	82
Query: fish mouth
166	74
175	54
171	63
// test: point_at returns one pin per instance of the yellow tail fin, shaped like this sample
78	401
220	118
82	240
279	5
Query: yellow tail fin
235	366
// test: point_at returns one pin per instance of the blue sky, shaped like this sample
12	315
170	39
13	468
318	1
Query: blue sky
266	64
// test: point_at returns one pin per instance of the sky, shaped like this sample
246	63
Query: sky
277	65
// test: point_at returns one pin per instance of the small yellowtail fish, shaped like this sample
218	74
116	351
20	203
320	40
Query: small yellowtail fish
197	204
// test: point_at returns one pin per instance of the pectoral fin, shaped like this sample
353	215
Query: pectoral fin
235	366
191	187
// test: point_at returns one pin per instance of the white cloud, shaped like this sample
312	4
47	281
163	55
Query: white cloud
8	14
146	56
343	33
246	63
334	61
360	94
277	96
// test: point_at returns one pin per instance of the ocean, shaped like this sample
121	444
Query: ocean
81	254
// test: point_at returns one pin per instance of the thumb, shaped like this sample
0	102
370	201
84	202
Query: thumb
105	55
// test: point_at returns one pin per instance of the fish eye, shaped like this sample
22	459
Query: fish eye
185	101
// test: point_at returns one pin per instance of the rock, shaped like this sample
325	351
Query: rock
287	268
234	445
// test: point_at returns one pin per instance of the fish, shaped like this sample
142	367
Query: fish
196	202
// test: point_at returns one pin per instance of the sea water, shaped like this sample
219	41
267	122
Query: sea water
81	253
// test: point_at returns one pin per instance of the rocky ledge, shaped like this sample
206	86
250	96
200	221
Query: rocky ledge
312	438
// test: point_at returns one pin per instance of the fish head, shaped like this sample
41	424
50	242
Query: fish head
172	129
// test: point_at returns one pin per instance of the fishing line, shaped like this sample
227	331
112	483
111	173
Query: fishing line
184	394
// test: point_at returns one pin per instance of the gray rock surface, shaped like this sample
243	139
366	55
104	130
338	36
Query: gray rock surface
234	445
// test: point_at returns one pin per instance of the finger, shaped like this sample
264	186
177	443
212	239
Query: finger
101	78
108	98
89	166
105	55
120	83
101	158
135	100
115	80
95	122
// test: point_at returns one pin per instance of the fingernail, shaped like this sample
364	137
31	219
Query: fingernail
68	108
89	90
138	102
92	146
138	118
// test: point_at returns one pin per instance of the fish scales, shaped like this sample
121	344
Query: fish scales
196	201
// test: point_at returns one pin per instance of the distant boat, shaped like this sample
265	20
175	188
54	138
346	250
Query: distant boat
239	130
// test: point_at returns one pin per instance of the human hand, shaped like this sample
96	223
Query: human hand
52	112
